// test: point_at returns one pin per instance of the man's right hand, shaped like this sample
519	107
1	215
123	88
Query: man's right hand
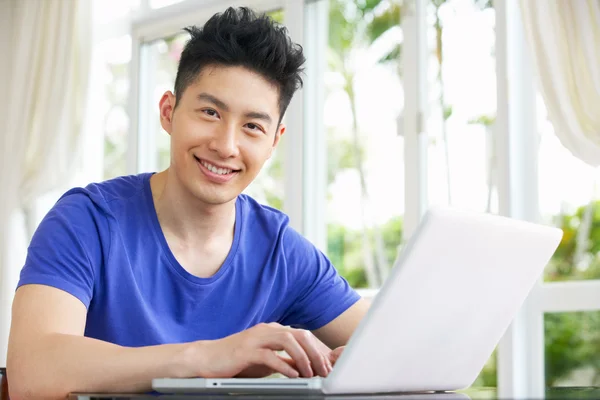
254	353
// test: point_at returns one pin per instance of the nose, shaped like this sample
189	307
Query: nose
224	143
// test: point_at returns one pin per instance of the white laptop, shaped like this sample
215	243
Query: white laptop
453	292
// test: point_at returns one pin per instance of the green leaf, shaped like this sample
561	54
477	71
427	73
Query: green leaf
485	120
393	55
366	6
341	28
484	4
382	23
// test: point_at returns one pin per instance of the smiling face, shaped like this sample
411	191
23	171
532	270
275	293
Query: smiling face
224	128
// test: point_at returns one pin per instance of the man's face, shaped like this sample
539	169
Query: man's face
222	131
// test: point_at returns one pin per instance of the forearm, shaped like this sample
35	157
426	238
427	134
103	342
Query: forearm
60	364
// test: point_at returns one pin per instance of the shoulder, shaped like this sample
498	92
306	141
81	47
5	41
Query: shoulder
84	213
274	225
119	188
267	226
257	216
97	197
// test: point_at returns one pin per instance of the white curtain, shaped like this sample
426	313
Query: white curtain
564	38
45	47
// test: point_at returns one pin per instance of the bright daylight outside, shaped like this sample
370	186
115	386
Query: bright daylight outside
365	166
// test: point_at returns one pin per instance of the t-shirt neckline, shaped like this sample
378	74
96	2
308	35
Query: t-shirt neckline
173	263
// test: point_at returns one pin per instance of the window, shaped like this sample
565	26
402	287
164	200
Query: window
162	57
462	104
112	86
569	199
461	112
365	166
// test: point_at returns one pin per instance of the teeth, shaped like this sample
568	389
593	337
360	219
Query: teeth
215	170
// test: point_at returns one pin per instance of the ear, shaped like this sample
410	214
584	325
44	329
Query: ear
166	109
280	131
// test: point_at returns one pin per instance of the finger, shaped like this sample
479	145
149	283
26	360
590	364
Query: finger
335	354
309	344
274	362
289	361
328	364
293	364
285	340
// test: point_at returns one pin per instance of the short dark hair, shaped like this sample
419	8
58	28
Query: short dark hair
240	37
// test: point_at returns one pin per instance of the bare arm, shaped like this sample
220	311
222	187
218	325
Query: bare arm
337	333
48	357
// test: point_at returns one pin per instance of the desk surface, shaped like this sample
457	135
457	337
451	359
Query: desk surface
473	394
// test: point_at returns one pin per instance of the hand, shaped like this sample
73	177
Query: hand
253	352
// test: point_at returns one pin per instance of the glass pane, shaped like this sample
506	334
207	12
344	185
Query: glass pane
569	198
162	58
462	104
365	168
462	111
112	58
572	348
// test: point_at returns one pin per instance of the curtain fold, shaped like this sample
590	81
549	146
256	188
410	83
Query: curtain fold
46	49
564	39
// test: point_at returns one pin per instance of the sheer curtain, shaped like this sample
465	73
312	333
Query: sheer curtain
44	79
564	38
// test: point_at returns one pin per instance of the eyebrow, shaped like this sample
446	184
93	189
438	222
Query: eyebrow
259	115
221	104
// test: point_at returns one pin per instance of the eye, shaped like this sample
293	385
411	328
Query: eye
254	127
210	112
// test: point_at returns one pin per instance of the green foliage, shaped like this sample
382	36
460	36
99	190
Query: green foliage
277	16
273	200
344	249
366	6
485	120
342	26
488	377
447	112
566	344
383	22
562	266
392	236
392	56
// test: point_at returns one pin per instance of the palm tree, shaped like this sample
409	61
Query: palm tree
348	23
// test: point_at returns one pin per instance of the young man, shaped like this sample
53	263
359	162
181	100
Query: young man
177	274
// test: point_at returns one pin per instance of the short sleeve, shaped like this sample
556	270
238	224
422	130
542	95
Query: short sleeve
64	248
319	293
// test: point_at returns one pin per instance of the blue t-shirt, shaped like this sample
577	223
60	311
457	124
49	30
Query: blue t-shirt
104	245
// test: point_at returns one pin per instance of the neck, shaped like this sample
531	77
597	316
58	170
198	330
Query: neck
185	217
